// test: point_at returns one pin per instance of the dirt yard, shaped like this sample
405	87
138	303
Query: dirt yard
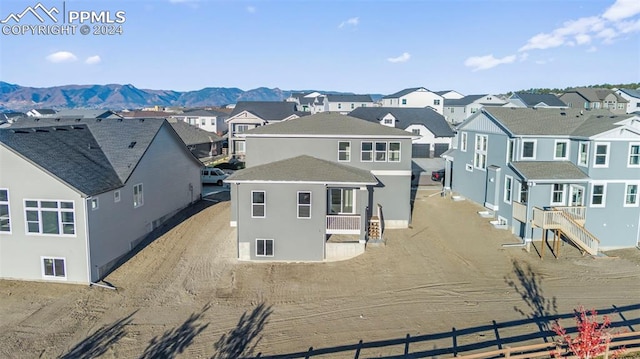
184	295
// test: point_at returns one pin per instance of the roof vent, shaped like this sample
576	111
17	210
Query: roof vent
57	119
132	144
77	127
141	119
40	130
20	131
59	129
98	119
77	120
600	116
563	113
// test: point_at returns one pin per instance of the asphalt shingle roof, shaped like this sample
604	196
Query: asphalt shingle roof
549	170
562	122
304	169
427	117
327	124
532	99
85	113
469	99
349	98
204	113
593	94
192	135
266	110
631	92
68	152
123	141
403	92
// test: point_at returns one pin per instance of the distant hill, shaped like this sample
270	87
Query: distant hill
118	97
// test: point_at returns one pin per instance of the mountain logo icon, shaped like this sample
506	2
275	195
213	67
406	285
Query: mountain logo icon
35	11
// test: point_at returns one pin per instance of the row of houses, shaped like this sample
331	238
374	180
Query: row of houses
77	194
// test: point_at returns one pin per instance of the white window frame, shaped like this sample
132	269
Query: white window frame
243	126
511	150
94	204
39	209
566	150
347	151
398	151
264	247
383	152
604	194
8	217
53	277
535	147
387	121
468	167
595	154
584	163
463	141
553	192
116	196
237	149
138	198
480	150
626	194
300	205
631	146
508	189
362	151
342	200
263	204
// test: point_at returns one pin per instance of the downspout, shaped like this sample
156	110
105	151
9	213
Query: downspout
86	236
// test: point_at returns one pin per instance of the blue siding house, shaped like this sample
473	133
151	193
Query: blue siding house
574	172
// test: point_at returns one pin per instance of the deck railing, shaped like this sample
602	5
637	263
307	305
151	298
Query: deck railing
576	213
519	211
559	219
343	224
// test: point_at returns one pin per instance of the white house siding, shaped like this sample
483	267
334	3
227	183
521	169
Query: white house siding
21	253
170	180
417	99
242	118
427	136
634	103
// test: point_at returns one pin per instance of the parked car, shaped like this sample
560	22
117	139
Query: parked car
438	175
230	165
212	175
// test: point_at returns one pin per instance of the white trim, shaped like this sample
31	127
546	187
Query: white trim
535	147
116	196
604	194
626	189
631	144
482	152
53	277
511	145
571	190
348	151
391	173
564	194
58	209
370	152
304	135
468	167
566	149
595	154
586	159
264	204
87	242
93	200
140	195
233	223
510	189
491	206
376	151
389	151
298	204
335	184
8	203
463	141
273	247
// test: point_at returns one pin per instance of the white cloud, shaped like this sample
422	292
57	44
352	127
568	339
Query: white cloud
354	21
61	56
478	63
592	49
582	39
93	60
622	9
523	56
251	9
402	58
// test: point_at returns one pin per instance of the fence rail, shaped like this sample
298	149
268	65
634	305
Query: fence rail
520	212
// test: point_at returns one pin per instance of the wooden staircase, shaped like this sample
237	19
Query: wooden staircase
374	228
570	225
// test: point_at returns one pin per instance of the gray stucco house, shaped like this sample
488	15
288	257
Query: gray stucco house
539	170
313	180
75	197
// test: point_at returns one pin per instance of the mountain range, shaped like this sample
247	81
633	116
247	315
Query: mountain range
117	97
